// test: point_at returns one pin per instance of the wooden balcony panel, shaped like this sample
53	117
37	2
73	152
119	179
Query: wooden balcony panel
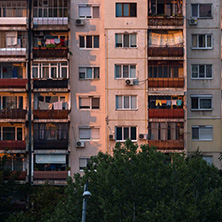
51	144
50	52
165	21
13	114
166	82
169	144
19	175
165	51
13	144
50	175
13	83
50	83
51	114
166	113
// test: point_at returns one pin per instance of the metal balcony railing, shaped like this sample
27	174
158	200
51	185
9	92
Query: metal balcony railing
165	21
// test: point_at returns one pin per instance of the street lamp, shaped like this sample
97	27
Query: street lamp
86	194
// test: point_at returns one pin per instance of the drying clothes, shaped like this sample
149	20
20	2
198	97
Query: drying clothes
174	102
179	102
39	43
57	105
11	38
57	41
52	41
168	102
163	101
50	106
43	105
158	102
47	41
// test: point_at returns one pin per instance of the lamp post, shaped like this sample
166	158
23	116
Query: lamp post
86	194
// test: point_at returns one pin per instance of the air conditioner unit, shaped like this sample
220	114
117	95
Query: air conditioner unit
129	82
143	136
80	22
80	144
111	137
193	21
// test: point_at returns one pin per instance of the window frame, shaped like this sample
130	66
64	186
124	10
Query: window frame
129	71
130	102
16	133
123	41
199	127
90	102
91	11
86	160
198	11
90	133
202	97
93	72
85	41
129	9
198	71
205	40
123	140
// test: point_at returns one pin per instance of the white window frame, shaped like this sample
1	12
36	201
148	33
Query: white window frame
91	11
198	71
199	128
123	140
198	11
86	161
90	102
93	72
64	66
93	36
90	133
202	97
206	47
130	102
130	40
129	68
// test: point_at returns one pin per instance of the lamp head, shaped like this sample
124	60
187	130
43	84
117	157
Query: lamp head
86	194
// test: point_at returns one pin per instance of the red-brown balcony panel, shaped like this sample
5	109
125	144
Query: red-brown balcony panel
165	21
13	83
50	83
166	113
13	114
51	144
169	144
17	175
50	175
51	114
166	82
50	52
12	145
165	51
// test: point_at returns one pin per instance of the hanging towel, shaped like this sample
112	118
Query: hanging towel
47	41
52	41
168	102
50	106
43	105
163	101
179	102
158	102
57	105
174	102
57	41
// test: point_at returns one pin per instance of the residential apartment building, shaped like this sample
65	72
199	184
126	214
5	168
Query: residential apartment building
79	76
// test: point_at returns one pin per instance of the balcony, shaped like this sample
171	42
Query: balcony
169	144
165	21
50	83
13	144
165	51
51	114
166	82
166	113
13	83
13	114
51	144
50	175
45	52
18	175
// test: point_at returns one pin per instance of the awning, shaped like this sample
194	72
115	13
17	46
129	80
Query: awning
59	159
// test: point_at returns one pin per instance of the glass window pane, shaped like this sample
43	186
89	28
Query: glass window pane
119	133
209	71
126	71
194	41
119	40
209	41
64	71
133	133
205	103
89	41
19	133
96	41
8	133
84	133
201	71
89	73
85	11
133	102
133	10
202	41
96	72
118	9
45	72
195	133
126	9
95	103
126	40
194	71
34	72
206	133
205	10
194	103
82	73
118	102
126	133
118	71
81	42
53	72
133	40
126	102
194	10
96	12
132	71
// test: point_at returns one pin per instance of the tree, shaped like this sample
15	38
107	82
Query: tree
140	184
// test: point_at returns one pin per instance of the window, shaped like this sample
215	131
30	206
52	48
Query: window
201	102
123	133
87	133
83	162
125	71
50	70
126	40
89	73
201	72
202	41
201	10
13	9
126	10
164	71
12	133
202	133
88	11
208	159
89	103
126	102
89	41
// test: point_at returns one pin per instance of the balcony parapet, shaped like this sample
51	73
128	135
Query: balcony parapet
165	51
12	145
51	114
51	144
50	83
13	83
166	113
166	82
50	175
13	114
169	144
165	21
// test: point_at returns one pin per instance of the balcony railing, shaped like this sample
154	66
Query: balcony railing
165	51
45	52
13	145
51	144
18	175
169	144
166	113
13	114
50	83
50	21
13	83
51	114
166	82
50	175
165	21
